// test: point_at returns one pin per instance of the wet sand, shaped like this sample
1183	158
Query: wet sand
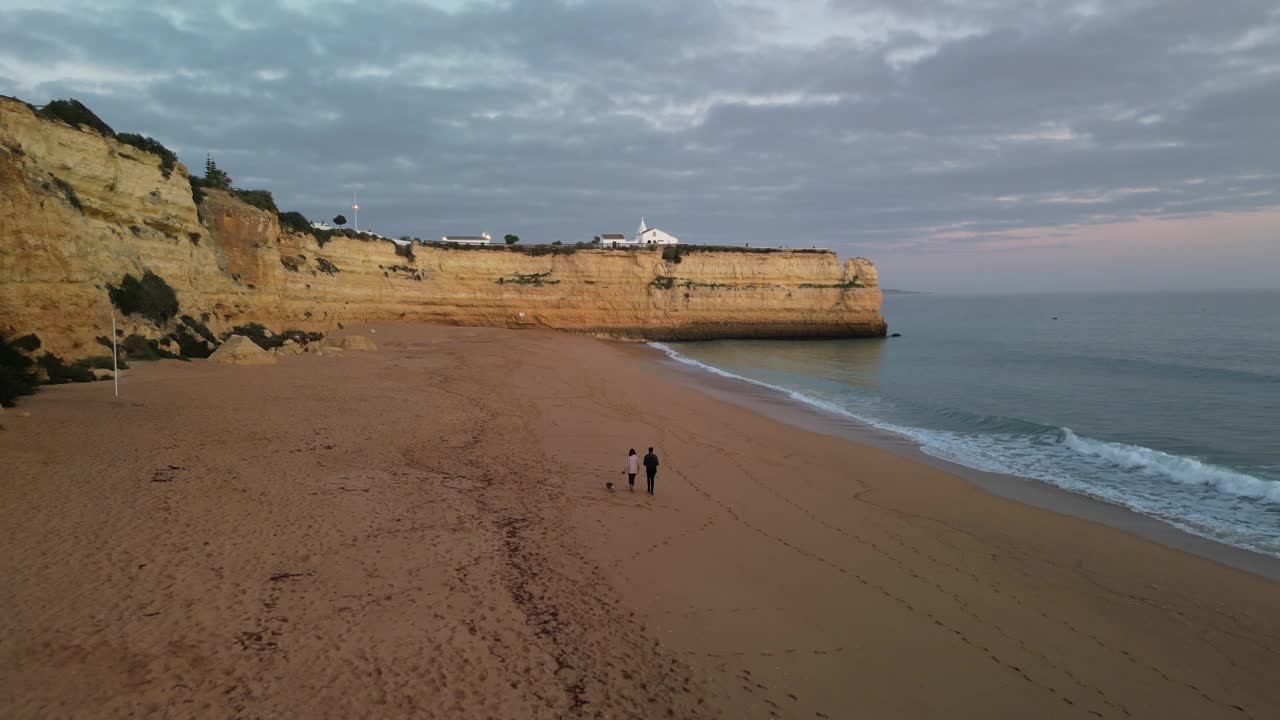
424	532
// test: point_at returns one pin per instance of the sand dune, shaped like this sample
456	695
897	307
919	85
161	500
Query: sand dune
424	532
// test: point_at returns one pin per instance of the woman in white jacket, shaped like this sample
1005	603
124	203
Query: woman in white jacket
631	467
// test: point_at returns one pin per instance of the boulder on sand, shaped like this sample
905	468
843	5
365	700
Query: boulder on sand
240	350
288	348
357	342
349	342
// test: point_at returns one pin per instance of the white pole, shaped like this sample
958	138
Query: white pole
115	355
355	208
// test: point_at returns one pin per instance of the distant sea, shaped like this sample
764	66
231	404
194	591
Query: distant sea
1166	404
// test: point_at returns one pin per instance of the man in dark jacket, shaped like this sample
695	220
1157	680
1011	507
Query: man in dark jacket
650	468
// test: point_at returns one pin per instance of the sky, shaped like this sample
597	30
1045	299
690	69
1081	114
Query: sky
963	145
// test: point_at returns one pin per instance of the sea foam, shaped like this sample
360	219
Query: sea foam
1022	455
1184	470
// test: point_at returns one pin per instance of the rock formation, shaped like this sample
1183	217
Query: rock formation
240	350
356	342
288	348
79	210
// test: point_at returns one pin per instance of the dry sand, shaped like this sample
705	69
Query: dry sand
424	532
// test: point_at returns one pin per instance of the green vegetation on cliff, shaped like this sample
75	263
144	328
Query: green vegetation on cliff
68	192
168	159
294	221
673	253
214	176
263	337
74	113
17	371
528	279
260	199
854	283
151	297
138	347
59	373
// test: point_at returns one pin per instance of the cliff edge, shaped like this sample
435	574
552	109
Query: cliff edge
80	210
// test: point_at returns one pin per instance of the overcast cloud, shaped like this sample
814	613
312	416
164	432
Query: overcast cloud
1014	134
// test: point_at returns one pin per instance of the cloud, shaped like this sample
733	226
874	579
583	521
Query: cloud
859	124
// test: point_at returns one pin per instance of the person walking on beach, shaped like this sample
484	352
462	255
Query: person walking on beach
630	467
650	468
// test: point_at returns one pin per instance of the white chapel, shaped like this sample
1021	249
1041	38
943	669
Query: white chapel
646	235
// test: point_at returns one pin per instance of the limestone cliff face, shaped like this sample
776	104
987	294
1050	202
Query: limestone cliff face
78	211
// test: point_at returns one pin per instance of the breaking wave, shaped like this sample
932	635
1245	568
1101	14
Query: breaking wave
1142	479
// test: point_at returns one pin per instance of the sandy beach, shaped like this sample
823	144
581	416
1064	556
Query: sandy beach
424	532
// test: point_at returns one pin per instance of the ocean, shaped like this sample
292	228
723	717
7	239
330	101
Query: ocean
1166	404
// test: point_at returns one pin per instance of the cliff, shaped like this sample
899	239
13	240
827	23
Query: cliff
79	211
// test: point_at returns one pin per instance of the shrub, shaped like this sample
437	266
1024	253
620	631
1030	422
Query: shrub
339	220
27	343
75	114
663	282
137	347
671	253
257	332
260	199
102	362
167	157
414	273
60	373
854	283
552	249
199	327
326	266
141	348
189	345
477	248
105	342
197	189
295	221
528	279
17	371
151	297
511	239
687	249
69	192
262	336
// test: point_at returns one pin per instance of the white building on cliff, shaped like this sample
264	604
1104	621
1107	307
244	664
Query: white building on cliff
645	235
481	239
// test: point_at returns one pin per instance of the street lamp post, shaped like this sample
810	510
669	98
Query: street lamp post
355	210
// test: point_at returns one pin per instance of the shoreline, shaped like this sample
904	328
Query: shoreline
424	531
1027	491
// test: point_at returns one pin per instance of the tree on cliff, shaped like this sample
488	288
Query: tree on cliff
511	239
151	297
75	114
339	220
215	176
